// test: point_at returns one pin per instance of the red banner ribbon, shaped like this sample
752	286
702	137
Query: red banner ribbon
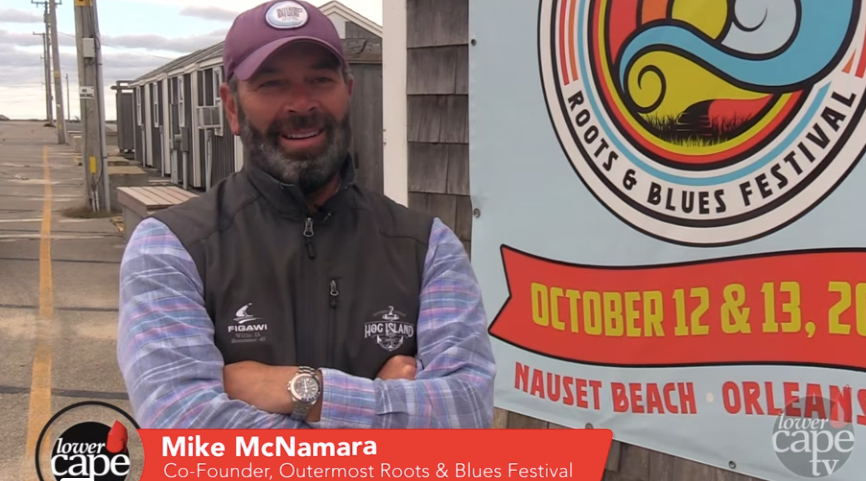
801	308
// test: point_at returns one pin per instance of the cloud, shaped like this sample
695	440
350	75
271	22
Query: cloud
126	56
371	9
30	40
25	67
21	39
209	13
9	15
22	91
155	42
181	45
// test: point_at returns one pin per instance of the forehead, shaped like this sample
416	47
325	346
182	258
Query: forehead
300	55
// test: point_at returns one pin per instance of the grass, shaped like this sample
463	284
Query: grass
694	130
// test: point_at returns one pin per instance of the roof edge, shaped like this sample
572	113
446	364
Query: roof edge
336	7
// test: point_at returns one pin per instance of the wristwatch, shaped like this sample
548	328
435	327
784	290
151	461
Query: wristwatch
305	390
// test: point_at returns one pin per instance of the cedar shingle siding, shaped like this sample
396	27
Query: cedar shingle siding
438	111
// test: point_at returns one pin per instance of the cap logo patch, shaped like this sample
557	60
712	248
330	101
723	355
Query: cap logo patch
287	15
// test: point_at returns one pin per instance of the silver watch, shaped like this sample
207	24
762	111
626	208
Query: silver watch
305	391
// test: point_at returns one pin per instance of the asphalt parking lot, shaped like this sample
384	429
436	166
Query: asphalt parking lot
58	297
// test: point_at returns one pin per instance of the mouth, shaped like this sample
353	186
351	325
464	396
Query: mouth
303	135
302	140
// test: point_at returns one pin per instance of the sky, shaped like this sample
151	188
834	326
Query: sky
137	37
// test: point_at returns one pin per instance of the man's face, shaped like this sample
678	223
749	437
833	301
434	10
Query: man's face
293	116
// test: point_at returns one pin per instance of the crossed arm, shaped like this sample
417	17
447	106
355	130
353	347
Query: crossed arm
176	378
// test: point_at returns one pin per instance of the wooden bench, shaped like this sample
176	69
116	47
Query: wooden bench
139	202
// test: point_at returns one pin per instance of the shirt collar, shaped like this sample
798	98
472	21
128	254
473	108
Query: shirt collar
288	198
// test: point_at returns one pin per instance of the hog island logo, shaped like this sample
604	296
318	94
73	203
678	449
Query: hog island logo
388	329
706	122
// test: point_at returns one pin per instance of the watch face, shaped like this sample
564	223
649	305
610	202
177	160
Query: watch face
306	388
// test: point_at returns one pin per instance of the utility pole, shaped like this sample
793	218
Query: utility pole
92	114
46	18
68	98
58	81
45	56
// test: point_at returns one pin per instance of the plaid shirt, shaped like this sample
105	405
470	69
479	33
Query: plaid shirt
174	372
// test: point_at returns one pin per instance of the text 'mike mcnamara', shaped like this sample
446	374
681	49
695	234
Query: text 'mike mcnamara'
193	447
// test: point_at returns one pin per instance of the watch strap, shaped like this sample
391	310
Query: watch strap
300	410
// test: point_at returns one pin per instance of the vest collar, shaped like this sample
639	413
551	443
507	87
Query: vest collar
288	198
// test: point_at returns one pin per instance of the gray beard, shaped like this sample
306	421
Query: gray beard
309	172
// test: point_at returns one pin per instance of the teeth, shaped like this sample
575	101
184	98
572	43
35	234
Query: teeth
301	136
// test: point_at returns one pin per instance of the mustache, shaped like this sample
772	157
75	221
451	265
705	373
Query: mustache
315	120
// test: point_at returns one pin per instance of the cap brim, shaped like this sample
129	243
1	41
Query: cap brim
246	69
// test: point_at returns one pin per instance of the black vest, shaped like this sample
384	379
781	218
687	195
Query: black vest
339	288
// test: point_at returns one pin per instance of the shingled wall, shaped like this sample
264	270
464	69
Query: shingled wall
438	135
438	111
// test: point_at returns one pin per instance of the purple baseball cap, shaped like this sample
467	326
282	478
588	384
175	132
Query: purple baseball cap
259	32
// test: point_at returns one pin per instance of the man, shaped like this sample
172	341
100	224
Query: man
287	296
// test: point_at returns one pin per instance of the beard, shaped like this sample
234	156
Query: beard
310	170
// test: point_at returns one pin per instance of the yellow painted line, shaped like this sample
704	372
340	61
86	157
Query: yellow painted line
46	290
40	382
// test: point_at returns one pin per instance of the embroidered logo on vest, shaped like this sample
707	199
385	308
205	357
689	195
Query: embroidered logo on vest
247	327
388	329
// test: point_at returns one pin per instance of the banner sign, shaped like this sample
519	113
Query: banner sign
667	232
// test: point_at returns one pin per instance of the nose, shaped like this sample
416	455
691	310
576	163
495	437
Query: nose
300	101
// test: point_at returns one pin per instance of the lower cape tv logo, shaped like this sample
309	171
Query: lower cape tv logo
91	451
706	123
817	442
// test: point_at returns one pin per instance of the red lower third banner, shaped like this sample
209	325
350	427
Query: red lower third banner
578	454
798	308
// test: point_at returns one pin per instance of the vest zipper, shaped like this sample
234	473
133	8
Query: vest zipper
306	354
332	321
308	237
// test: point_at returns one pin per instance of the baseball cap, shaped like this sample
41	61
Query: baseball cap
259	32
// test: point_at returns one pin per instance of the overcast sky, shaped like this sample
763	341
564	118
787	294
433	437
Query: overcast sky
137	36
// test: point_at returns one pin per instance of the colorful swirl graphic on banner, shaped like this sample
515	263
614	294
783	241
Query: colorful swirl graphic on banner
704	83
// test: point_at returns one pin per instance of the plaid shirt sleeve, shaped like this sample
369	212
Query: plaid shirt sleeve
453	387
173	370
165	349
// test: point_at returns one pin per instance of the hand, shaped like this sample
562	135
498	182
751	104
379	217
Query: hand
398	367
260	385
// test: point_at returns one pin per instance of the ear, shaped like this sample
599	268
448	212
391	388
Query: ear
231	108
350	85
